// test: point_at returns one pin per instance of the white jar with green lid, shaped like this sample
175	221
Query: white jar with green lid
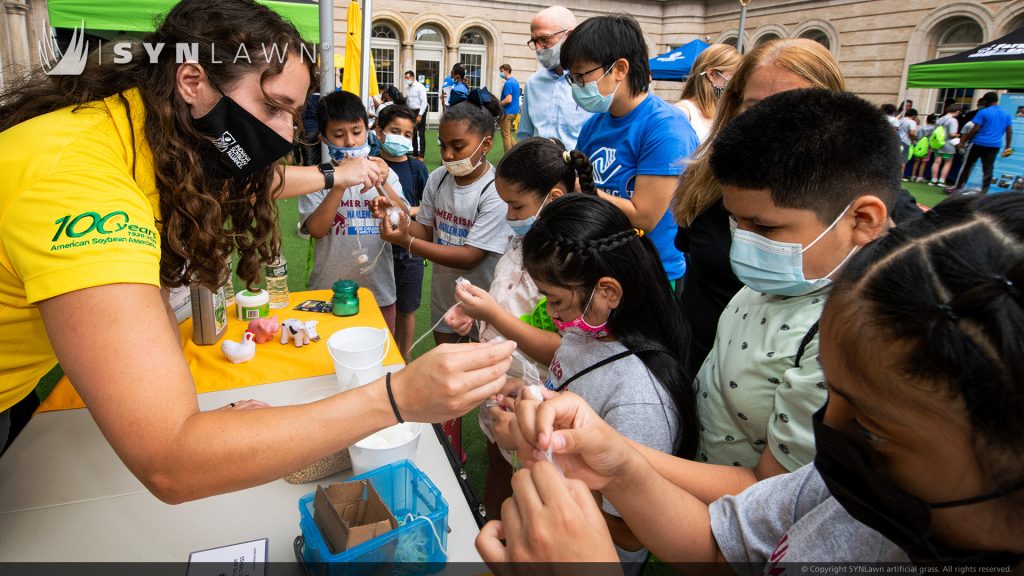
252	305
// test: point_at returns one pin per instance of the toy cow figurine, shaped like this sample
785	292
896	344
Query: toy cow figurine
299	332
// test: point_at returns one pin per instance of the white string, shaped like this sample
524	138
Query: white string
432	529
424	335
373	264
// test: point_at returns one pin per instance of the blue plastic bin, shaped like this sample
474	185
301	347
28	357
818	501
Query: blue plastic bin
410	549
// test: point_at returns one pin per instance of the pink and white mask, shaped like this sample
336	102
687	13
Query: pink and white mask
581	326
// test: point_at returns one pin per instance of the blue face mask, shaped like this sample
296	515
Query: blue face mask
589	96
521	227
396	145
776	267
339	153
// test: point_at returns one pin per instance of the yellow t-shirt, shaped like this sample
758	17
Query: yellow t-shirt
72	216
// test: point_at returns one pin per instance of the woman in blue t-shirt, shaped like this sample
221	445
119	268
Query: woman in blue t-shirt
635	141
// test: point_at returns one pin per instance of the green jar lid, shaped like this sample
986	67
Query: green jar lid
345	287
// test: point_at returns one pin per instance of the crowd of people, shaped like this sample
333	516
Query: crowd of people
696	333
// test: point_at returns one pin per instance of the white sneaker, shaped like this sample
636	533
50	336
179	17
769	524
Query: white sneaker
299	232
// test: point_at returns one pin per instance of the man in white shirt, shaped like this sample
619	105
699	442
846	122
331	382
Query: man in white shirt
416	98
548	109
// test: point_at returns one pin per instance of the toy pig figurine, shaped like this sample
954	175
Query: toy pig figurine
239	352
264	329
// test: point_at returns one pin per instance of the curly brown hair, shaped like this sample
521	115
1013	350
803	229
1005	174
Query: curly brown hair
203	217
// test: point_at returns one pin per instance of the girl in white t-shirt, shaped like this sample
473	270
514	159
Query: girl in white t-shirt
461	226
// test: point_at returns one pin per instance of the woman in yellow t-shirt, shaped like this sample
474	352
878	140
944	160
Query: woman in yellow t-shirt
145	171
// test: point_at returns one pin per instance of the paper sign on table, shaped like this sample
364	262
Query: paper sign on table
243	559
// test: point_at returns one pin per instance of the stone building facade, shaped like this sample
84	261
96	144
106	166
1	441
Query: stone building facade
874	40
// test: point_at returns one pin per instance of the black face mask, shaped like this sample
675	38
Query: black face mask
855	479
242	143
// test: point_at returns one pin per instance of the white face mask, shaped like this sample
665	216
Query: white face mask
550	58
408	81
466	165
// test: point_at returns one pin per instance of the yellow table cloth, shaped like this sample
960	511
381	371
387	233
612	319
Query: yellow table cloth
274	362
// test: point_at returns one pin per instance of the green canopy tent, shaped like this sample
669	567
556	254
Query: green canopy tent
997	65
141	15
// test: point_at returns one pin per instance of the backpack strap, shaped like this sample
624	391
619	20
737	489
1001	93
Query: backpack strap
605	362
804	343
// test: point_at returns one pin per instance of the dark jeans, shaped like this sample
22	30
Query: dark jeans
988	160
419	139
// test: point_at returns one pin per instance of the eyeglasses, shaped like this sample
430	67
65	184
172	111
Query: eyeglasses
544	41
579	79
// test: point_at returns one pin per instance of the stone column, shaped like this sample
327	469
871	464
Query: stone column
20	53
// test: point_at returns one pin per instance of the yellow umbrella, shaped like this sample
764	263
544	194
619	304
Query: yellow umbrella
353	60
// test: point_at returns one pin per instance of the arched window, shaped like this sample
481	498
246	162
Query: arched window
384	48
429	56
819	36
954	36
731	41
384	31
429	34
766	38
473	56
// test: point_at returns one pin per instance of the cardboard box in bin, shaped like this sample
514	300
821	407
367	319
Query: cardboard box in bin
350	513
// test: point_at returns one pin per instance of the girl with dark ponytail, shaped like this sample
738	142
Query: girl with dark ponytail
533	174
624	341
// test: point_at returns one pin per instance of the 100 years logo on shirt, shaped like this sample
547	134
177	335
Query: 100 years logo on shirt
91	228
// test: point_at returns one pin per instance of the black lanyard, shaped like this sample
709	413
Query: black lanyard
605	362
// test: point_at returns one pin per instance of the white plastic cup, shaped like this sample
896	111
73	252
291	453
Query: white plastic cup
370	453
358	355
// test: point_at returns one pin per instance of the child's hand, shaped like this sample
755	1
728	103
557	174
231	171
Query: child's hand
544	513
585	446
476	302
398	236
457	320
504	426
355	171
379	206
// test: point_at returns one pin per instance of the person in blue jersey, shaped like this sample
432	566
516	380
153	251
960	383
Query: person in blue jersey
636	142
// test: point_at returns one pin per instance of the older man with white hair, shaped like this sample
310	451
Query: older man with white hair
548	108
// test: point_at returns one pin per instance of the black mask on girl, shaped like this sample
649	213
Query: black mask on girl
855	479
242	143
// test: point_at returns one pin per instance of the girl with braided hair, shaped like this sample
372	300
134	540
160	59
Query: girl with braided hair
918	444
534	173
624	342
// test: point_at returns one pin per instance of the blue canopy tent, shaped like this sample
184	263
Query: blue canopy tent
676	63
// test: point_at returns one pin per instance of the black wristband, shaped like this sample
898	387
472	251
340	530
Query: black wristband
391	398
327	169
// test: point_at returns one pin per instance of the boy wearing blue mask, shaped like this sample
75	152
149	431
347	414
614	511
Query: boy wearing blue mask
347	244
636	142
796	224
396	127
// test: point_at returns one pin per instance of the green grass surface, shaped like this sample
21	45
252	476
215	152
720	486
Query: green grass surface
295	250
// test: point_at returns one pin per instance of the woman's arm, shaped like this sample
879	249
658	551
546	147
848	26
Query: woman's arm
650	200
299	180
117	347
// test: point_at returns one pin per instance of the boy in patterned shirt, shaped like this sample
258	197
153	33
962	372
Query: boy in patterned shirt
795	224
